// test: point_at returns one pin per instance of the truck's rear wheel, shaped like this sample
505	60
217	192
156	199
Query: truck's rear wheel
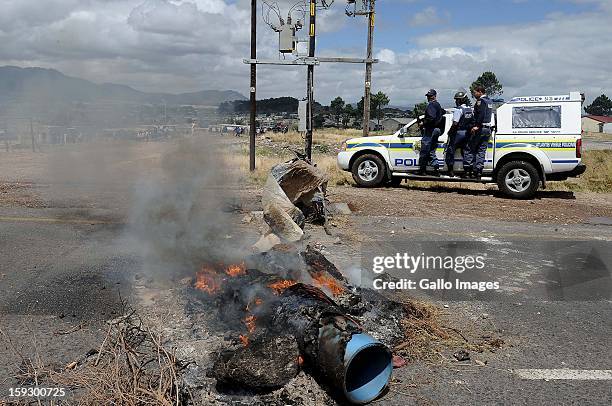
518	179
368	170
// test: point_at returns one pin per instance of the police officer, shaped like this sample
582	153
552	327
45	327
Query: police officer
480	133
429	143
458	135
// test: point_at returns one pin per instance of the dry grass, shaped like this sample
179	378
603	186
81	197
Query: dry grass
266	158
597	178
427	337
131	367
328	136
597	136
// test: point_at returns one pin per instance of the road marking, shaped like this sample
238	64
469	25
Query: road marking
565	374
55	220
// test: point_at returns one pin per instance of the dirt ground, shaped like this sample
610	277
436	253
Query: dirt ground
69	260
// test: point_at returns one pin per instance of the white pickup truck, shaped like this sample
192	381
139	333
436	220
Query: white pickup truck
535	139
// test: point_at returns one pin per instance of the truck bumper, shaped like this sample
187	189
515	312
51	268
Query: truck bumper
344	159
577	171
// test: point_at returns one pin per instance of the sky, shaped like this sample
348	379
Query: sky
535	47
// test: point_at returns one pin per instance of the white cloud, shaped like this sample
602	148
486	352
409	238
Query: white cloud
386	55
428	17
186	45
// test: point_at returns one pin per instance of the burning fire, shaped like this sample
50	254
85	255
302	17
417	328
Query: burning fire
244	340
236	270
249	321
207	280
329	282
281	285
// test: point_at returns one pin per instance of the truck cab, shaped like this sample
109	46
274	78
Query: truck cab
535	139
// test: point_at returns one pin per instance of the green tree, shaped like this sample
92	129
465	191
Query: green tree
378	102
359	110
490	83
336	108
349	112
318	120
419	109
601	106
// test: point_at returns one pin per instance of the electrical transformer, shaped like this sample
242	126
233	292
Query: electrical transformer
286	38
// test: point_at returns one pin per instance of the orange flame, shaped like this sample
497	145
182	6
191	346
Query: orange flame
249	321
300	360
281	285
258	301
329	282
244	340
207	280
236	270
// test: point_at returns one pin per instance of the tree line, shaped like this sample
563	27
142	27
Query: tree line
345	113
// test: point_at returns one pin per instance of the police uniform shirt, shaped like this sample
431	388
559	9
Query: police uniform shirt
458	112
483	112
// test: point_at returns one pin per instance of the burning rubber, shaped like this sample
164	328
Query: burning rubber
332	344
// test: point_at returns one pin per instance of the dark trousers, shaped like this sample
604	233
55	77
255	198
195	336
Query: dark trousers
475	157
455	141
429	144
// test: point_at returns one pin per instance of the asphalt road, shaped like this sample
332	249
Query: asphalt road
62	275
540	332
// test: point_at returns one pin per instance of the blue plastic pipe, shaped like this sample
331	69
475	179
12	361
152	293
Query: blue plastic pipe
368	366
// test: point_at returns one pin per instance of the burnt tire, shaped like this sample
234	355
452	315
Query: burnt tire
518	179
368	170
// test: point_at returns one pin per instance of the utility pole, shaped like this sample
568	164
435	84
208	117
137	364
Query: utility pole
310	81
287	45
252	128
368	75
32	135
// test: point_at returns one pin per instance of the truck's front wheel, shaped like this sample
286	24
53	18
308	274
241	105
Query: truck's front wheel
518	179
368	170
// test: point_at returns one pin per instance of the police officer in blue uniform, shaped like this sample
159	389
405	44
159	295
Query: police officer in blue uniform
480	134
458	135
431	125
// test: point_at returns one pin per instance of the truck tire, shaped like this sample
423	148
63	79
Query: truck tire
518	179
368	170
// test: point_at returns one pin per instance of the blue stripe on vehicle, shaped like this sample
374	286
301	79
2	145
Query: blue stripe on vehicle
364	144
565	161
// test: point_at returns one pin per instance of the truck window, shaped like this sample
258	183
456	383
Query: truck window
536	117
412	131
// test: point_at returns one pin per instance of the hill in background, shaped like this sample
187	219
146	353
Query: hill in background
38	85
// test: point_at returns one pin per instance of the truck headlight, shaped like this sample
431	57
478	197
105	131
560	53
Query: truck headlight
343	146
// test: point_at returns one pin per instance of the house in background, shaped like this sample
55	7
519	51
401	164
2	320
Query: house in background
596	124
395	123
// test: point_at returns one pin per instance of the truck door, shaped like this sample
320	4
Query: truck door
402	154
488	166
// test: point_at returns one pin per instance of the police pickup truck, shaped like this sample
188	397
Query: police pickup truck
535	140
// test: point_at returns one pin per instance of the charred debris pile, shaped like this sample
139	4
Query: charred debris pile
285	310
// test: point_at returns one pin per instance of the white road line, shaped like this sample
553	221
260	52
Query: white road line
565	374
